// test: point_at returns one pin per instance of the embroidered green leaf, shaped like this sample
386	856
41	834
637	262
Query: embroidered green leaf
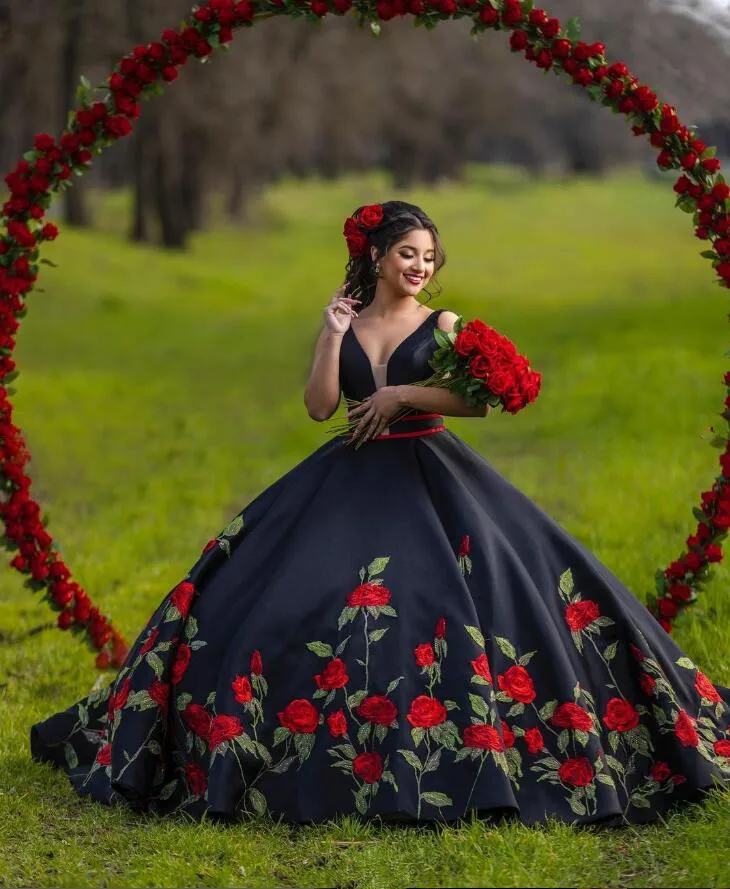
479	705
603	622
257	800
433	762
357	698
321	649
719	709
198	643
341	647
280	735
563	740
377	635
380	732
576	691
225	544
191	627
210	700
609	652
393	685
578	641
303	744
462	754
506	647
516	710
547	710
451	705
361	799
606	779
476	635
418	735
155	662
503	697
361	575
71	758
377	566
613	740
479	680
641	802
200	745
283	765
549	762
566	583
582	737
526	658
576	805
363	733
639	739
233	527
411	758
467	564
346	615
83	715
389	778
389	610
261	751
686	663
168	790
320	693
436	799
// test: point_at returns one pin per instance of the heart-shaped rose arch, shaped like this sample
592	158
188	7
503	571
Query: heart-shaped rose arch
100	120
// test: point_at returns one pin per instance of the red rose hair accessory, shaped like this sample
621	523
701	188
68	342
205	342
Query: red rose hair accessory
355	227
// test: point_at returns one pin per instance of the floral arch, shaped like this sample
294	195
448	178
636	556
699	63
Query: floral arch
101	119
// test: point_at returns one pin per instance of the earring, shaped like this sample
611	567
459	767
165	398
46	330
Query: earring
376	269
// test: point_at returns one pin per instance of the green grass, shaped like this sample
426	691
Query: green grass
154	411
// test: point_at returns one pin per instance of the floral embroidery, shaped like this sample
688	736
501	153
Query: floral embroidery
463	555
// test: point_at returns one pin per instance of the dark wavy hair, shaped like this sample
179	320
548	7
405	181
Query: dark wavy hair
399	218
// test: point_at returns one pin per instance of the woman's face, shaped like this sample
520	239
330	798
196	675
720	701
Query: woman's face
409	264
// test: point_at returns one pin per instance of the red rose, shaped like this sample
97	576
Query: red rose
368	594
357	244
440	631
464	546
466	342
534	740
117	126
620	716
424	655
722	748
160	694
577	772
516	683
223	728
579	615
378	709
684	729
480	666
197	719
660	772
104	755
706	689
680	592
333	676
485	737
44	142
667	608
242	689
180	665
337	724
713	553
572	716
508	735
368	767
479	367
647	683
149	642
182	596
256	666
426	712
196	778
300	717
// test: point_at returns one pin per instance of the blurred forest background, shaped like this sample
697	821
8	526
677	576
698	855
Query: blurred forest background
293	98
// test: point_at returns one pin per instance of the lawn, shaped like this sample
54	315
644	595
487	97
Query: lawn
154	411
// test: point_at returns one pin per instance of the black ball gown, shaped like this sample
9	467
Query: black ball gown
397	631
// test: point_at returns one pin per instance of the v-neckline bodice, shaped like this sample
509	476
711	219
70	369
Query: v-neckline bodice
400	345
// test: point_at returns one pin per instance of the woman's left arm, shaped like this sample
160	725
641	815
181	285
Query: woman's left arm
436	399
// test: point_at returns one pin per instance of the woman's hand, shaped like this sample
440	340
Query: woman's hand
375	411
339	311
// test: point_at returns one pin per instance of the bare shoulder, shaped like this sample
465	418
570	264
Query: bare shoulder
446	320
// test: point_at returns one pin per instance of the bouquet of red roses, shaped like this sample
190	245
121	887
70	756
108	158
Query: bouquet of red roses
480	364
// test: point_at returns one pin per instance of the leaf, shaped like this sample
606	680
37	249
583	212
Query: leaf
417	734
476	635
411	758
155	662
479	705
582	737
282	766
389	778
641	802
686	663
257	800
377	635
516	710
393	685
210	700
603	622
506	647
377	566
303	745
83	715
547	710
577	806
526	658
356	699
363	733
451	705
70	754
233	527
168	790
198	643
609	652
573	29
341	647
321	649
280	735
433	762
566	582
563	740
437	799
389	610
380	732
191	627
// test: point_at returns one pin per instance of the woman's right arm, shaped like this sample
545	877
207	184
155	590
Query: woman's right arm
322	392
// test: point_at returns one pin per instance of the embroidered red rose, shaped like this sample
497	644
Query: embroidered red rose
722	748
440	628
180	665
424	655
508	735
241	686
198	720
577	772
182	596
370	216
223	728
579	615
684	729
484	737
678	779
337	724
620	715
196	778
637	653
368	767
647	683
660	772
464	546
256	667
160	694
368	594
299	716
333	676
516	683
104	755
426	712
480	666
150	641
706	689
378	709
118	699
534	740
572	716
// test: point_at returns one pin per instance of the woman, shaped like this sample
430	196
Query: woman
395	630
